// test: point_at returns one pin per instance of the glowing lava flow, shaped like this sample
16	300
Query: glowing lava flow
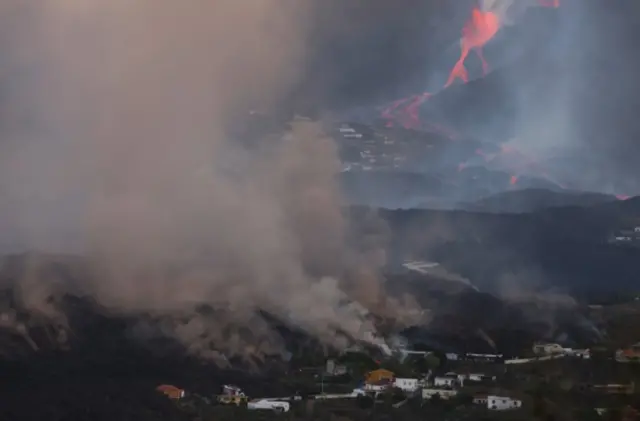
483	24
478	30
481	27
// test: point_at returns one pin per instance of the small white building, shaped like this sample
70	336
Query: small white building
547	349
446	381
376	387
578	353
232	390
502	403
480	400
269	405
334	369
428	393
474	377
407	385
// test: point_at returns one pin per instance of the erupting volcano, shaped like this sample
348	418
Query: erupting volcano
485	21
479	29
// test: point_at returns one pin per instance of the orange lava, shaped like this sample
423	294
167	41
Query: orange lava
479	29
514	180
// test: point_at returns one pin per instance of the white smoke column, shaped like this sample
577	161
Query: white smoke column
508	11
115	146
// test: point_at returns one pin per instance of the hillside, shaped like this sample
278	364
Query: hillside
531	200
559	247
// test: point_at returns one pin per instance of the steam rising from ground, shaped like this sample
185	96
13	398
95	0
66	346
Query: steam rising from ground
507	11
114	144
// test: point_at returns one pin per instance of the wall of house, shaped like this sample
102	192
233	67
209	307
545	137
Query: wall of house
406	384
444	394
444	382
501	403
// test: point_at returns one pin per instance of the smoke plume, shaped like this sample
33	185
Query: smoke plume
114	145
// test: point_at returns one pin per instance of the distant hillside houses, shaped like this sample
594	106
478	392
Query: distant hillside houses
353	131
628	236
470	356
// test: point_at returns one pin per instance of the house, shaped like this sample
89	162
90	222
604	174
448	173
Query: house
486	358
480	399
380	386
407	385
378	375
630	354
474	377
428	393
502	403
231	390
446	381
626	236
170	391
579	353
269	405
547	349
232	395
452	356
334	369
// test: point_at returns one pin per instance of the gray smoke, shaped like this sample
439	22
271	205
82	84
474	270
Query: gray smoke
114	146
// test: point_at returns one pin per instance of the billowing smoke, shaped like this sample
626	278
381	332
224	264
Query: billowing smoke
114	145
509	11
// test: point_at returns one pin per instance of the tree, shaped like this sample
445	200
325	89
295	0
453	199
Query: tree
432	361
613	414
365	402
436	399
463	398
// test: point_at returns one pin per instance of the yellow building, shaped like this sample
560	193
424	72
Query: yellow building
379	375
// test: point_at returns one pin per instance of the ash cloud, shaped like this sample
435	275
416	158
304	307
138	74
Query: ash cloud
114	146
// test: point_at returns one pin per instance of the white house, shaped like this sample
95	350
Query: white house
502	403
407	385
266	404
443	393
474	377
376	387
480	399
578	353
447	381
547	349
